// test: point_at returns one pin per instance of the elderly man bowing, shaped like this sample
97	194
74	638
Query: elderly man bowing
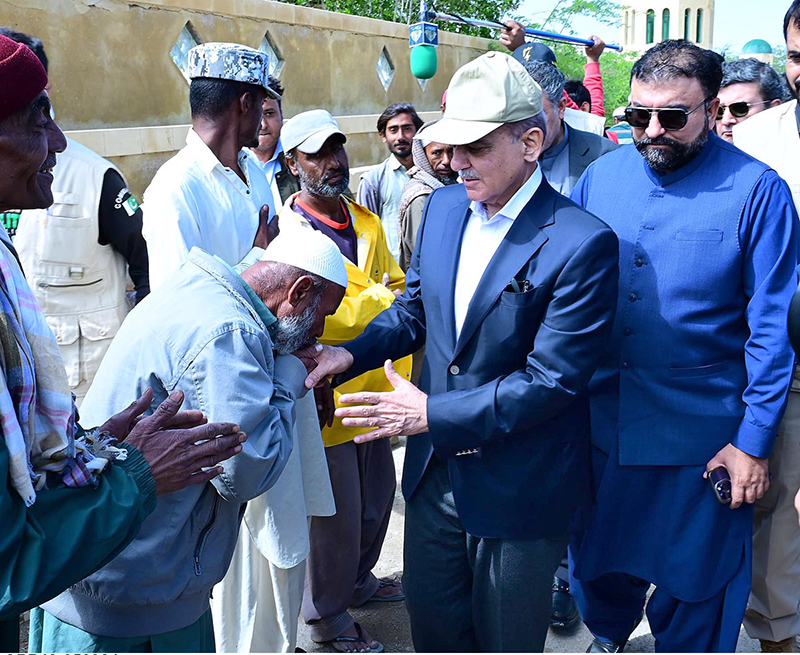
512	290
225	340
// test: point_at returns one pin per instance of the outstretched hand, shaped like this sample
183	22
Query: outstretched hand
403	411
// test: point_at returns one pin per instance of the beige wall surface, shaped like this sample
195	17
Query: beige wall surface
110	68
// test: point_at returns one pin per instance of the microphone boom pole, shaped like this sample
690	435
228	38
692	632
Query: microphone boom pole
551	36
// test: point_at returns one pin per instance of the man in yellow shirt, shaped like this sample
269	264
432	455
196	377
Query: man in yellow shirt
345	547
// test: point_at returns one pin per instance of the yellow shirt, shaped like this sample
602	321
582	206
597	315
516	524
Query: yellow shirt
364	299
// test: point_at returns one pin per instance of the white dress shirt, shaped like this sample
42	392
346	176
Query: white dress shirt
194	200
270	169
482	238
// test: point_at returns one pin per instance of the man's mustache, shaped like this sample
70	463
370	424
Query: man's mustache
469	175
338	171
658	141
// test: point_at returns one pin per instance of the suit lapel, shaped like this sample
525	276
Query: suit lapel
578	149
520	244
448	255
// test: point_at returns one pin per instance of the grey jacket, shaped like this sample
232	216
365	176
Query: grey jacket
201	334
584	148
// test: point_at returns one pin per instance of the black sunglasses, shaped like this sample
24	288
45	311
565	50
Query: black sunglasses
739	109
671	118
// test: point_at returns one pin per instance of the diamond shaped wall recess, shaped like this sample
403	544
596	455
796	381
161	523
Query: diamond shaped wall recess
276	60
187	40
385	69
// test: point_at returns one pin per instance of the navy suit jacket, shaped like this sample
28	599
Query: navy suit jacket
507	407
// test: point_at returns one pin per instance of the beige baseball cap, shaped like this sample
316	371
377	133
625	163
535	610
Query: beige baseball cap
484	94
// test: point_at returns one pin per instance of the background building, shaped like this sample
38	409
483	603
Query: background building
647	22
758	49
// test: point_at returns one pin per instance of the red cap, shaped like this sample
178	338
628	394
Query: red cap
22	76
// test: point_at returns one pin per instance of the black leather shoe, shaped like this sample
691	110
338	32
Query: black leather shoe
565	612
603	646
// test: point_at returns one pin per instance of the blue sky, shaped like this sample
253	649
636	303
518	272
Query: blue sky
735	21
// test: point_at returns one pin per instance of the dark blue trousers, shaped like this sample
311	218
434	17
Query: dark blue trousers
466	593
612	604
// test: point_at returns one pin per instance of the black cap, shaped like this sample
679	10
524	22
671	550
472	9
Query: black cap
535	52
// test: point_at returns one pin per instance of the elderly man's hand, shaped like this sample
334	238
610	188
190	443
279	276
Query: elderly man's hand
180	449
749	475
593	52
121	424
330	361
323	396
267	231
403	411
513	36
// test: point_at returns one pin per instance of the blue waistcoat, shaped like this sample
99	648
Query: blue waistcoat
670	385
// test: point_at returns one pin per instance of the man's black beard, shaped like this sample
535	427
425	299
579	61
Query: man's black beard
401	153
447	179
674	157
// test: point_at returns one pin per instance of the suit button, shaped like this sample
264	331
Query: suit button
454	370
632	297
638	262
625	365
627	332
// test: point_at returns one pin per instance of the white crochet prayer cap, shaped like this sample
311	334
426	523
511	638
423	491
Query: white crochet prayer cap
309	250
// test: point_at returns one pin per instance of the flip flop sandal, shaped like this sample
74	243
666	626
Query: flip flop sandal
351	640
387	582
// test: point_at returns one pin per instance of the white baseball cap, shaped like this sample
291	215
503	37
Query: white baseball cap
309	131
309	250
484	94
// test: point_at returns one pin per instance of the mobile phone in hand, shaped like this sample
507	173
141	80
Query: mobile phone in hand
720	481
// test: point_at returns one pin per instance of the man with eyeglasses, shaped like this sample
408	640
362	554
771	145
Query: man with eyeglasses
748	87
698	368
773	615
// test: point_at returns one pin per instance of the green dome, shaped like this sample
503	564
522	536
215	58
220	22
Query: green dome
757	47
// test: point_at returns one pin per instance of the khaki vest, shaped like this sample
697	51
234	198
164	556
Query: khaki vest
79	283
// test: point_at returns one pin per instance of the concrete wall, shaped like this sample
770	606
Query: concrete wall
116	89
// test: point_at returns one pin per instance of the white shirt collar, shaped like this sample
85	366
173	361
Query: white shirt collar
272	160
207	161
395	163
517	202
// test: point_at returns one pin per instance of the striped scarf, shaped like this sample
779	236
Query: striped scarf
37	414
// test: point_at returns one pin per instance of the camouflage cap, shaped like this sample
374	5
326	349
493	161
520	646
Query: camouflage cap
231	61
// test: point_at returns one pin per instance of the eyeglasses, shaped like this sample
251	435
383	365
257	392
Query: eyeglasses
671	118
739	109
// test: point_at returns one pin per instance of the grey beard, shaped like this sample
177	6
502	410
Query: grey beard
676	156
294	332
320	188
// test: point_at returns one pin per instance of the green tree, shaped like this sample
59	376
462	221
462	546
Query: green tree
406	11
779	63
615	67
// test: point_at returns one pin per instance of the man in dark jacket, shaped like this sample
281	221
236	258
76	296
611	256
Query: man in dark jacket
567	150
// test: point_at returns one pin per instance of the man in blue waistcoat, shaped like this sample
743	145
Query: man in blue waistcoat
699	366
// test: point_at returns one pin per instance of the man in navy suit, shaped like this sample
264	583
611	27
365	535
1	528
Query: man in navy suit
512	290
698	368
